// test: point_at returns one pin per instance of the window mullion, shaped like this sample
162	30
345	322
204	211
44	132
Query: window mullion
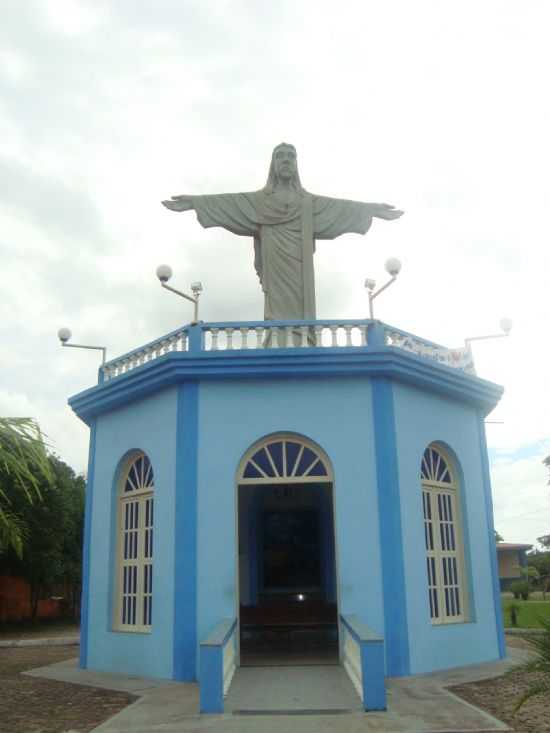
438	554
140	561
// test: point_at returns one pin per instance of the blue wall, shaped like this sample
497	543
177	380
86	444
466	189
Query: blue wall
148	425
336	414
422	418
339	415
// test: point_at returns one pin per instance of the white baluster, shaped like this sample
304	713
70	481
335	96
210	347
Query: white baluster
244	337
318	335
259	336
304	334
334	334
229	333
289	339
363	331
184	340
347	329
275	337
214	332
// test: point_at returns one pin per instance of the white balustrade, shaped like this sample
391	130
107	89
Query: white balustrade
254	337
288	336
173	342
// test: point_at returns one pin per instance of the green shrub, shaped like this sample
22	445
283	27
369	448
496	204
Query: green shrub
520	588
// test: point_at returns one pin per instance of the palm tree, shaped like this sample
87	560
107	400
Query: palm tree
539	663
23	462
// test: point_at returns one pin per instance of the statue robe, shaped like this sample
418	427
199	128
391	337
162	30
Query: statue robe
284	240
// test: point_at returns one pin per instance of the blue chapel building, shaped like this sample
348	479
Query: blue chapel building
276	487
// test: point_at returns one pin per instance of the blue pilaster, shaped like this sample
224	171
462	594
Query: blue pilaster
185	580
85	598
391	537
491	534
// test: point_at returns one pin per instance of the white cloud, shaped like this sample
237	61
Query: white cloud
109	107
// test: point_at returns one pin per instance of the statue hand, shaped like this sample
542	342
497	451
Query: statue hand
386	211
179	203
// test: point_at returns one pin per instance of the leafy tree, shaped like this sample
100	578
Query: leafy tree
52	551
23	465
498	537
541	562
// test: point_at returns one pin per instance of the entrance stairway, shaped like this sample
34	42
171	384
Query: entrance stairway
312	688
275	690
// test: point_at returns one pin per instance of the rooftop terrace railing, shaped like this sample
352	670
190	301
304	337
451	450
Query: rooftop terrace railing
278	335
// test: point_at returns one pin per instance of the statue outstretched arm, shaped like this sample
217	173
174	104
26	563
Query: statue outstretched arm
333	217
385	211
236	212
179	203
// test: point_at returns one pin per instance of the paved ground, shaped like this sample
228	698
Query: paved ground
49	641
415	705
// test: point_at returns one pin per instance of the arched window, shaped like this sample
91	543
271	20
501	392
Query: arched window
134	597
443	537
284	458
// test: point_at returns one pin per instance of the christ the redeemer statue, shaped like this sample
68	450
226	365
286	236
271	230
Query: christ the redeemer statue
284	220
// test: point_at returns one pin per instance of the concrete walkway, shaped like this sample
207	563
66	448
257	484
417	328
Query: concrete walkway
41	641
415	704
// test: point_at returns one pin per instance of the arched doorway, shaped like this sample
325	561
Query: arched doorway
287	566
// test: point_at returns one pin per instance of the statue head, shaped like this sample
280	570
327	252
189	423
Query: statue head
283	168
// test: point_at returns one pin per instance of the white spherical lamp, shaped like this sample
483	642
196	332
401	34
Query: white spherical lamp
64	334
164	273
506	325
393	266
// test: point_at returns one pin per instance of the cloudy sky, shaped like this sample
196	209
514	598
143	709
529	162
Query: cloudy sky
437	107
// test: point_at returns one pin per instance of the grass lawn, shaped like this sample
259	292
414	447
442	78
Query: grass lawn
527	614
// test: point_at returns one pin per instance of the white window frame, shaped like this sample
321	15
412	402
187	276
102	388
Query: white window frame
134	538
444	546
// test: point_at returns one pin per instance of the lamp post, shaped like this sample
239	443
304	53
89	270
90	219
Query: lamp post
164	273
393	268
506	326
64	334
